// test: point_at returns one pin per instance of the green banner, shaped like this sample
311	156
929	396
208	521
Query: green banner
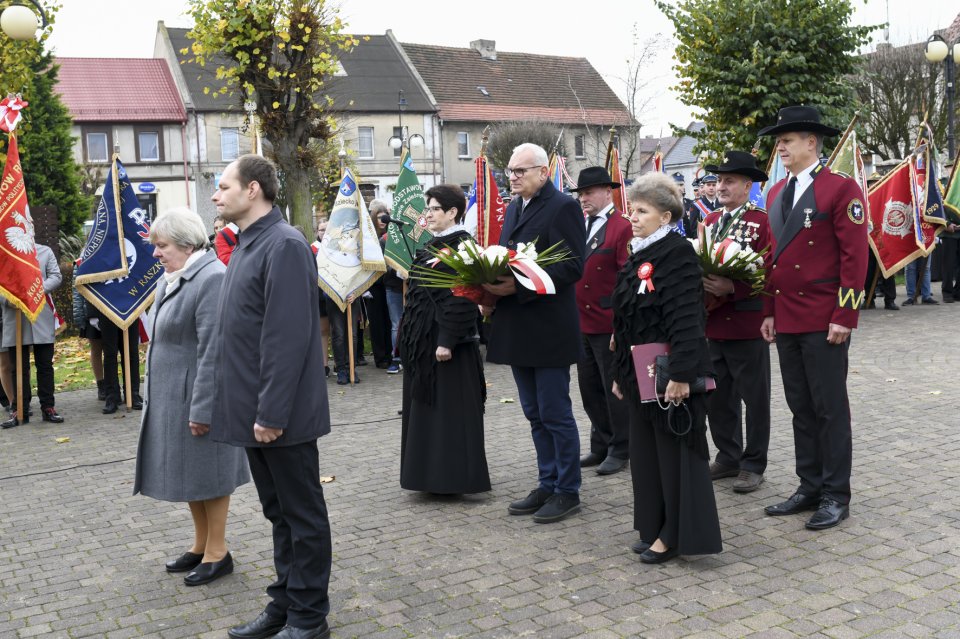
408	205
951	198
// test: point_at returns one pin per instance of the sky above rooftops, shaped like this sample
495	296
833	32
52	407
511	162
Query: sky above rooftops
125	28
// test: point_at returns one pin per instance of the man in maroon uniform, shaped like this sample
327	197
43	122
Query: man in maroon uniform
608	236
741	357
819	265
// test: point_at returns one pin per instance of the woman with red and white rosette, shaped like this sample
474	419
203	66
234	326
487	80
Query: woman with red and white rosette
659	298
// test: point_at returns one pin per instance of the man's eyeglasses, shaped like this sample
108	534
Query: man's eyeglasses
434	209
520	171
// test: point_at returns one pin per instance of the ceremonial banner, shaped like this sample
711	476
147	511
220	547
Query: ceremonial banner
349	259
619	193
555	174
891	220
775	173
117	271
408	205
485	208
20	280
951	197
927	188
657	160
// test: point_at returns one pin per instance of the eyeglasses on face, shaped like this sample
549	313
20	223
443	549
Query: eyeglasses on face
434	209
520	171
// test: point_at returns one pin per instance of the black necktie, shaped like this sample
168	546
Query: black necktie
788	192
722	226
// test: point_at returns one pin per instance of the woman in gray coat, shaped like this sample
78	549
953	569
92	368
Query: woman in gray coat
176	459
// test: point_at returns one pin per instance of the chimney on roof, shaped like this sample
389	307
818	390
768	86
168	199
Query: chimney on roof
486	48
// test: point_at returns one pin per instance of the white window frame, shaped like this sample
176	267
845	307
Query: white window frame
225	132
106	147
580	140
361	130
465	143
140	147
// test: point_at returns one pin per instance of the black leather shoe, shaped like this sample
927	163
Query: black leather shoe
828	515
185	562
639	546
291	632
890	306
50	414
13	422
110	406
719	471
137	402
611	465
796	503
649	556
529	504
264	626
101	390
209	571
593	459
559	506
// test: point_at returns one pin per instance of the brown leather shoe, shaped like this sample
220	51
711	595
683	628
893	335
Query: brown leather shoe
747	482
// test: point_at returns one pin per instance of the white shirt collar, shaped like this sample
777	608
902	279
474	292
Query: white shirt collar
804	179
601	220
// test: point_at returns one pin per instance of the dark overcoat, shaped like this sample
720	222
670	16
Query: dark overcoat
541	330
271	363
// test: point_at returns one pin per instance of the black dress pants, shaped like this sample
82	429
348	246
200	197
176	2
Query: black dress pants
950	267
743	373
288	483
815	385
886	286
112	340
43	361
609	416
379	317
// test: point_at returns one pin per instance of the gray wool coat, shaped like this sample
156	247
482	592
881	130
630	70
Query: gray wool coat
172	464
42	331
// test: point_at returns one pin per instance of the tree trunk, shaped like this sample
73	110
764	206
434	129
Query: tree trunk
297	188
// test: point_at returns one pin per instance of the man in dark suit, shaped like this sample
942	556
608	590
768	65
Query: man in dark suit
741	357
819	264
271	397
708	191
608	239
539	335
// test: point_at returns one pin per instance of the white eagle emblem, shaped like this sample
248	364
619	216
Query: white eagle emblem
20	238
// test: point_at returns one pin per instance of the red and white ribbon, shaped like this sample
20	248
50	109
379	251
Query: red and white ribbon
10	108
432	262
532	276
645	273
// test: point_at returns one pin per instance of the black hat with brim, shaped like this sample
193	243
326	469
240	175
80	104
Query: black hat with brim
799	118
594	176
740	163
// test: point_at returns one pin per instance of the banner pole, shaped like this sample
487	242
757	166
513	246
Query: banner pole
350	340
873	286
126	370
19	369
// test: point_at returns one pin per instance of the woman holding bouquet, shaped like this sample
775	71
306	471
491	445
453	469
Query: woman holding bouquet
441	448
659	298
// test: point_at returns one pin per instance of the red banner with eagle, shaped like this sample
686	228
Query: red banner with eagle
20	280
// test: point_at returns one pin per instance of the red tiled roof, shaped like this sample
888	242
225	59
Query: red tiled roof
518	86
119	90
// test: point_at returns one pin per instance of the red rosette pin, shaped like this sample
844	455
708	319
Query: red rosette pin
645	273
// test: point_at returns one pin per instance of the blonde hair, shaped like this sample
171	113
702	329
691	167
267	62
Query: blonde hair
180	226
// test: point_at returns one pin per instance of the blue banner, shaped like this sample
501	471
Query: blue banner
116	271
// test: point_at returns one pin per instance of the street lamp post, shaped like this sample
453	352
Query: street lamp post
937	50
403	140
20	22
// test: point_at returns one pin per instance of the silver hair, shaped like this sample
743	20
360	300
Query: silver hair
539	154
181	226
659	191
819	139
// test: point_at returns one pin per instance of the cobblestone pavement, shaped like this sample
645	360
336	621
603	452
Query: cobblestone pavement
81	557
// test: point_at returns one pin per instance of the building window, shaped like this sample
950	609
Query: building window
365	142
96	145
463	144
579	150
398	133
229	144
148	145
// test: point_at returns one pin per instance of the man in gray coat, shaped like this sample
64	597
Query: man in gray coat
40	335
271	394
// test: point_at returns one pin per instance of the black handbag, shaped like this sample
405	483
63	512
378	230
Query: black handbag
662	369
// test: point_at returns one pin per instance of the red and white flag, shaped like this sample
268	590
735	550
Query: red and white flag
20	279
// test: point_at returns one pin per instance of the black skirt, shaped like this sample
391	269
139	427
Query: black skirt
442	449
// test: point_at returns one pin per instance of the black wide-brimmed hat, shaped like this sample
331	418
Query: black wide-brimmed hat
799	118
741	163
594	176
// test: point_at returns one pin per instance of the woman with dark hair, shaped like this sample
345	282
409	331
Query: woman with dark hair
441	446
659	298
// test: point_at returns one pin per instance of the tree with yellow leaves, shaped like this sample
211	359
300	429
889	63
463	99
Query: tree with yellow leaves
279	54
